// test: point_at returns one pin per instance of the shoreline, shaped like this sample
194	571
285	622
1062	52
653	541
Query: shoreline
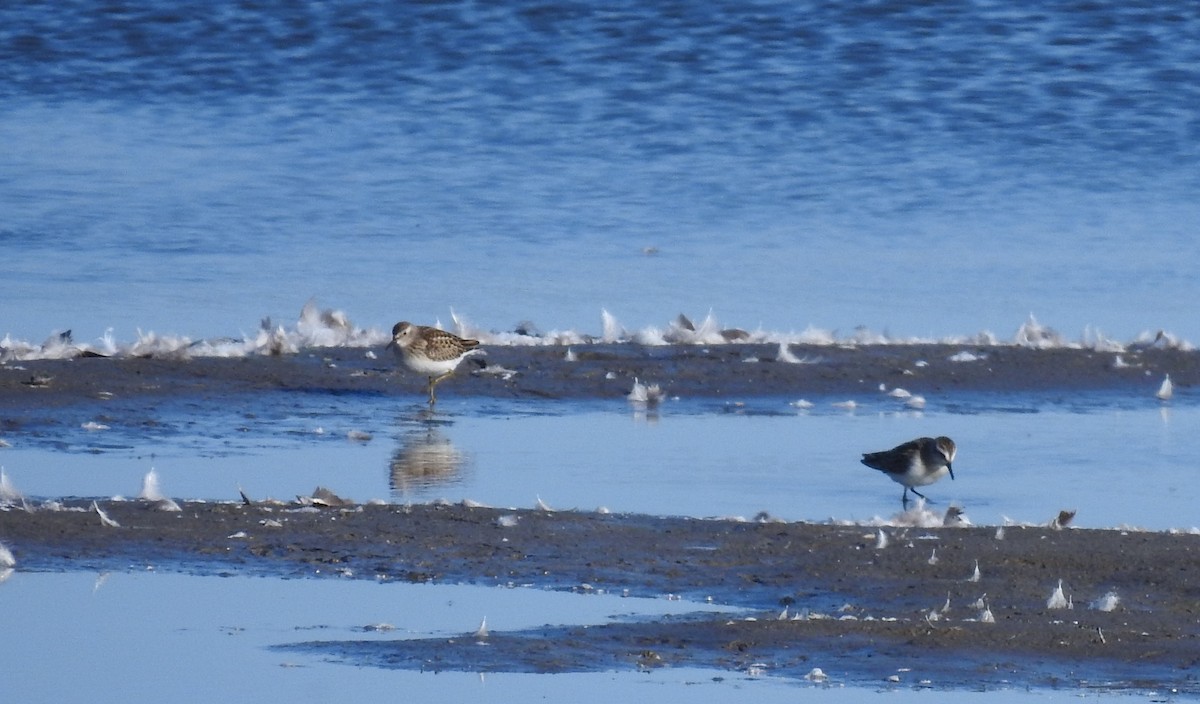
859	612
601	371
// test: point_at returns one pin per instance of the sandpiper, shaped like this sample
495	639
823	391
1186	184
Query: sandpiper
426	350
915	463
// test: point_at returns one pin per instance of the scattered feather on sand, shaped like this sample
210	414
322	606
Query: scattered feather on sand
496	370
1120	363
9	495
1108	602
647	394
1057	599
153	493
482	631
918	516
1166	390
975	575
955	516
786	356
986	616
7	561
881	540
150	487
104	519
964	356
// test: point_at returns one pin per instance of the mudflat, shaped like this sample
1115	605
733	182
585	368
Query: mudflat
728	371
813	595
810	595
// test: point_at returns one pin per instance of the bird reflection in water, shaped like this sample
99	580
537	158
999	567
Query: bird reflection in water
425	459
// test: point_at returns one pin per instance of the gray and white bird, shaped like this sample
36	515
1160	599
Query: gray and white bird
915	463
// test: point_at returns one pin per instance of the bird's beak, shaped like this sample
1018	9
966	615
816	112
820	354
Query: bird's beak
391	345
951	470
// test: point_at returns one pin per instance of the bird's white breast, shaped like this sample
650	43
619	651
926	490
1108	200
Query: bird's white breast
423	365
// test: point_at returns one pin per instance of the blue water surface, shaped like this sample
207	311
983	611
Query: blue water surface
922	168
918	168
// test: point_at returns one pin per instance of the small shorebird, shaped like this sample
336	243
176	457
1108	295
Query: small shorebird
915	463
429	351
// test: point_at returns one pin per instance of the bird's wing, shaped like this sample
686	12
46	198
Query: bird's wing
894	461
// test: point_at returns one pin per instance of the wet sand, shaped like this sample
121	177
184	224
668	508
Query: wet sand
867	613
859	612
604	371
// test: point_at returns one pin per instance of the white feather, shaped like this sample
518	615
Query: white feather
7	561
613	332
986	616
1057	599
785	355
1108	602
1166	390
8	493
648	394
104	519
150	489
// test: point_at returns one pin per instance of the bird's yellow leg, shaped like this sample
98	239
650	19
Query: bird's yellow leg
433	382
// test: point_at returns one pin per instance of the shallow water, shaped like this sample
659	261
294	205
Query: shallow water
141	635
1118	461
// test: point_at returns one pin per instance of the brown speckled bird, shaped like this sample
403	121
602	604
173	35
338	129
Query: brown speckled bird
425	350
